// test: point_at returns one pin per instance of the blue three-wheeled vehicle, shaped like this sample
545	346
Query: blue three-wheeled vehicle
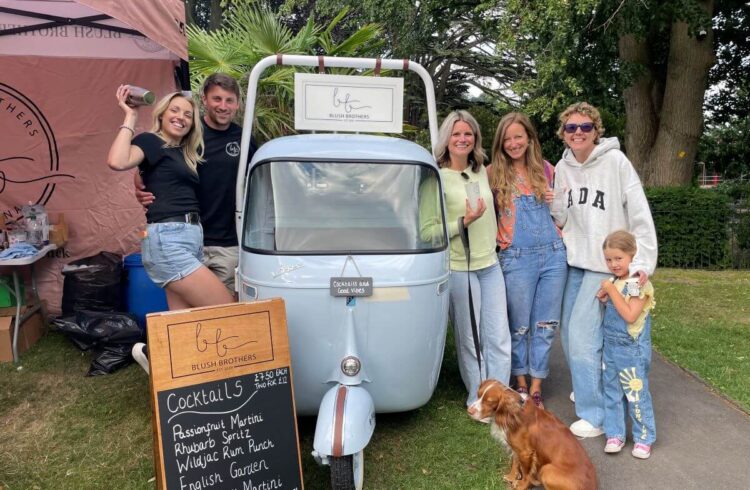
349	230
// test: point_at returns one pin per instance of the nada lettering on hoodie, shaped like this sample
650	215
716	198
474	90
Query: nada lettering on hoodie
583	195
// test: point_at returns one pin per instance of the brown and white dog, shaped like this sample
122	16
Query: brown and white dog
544	451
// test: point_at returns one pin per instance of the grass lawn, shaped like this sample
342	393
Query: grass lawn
61	430
702	323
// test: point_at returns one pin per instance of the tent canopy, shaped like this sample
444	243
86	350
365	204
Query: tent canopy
155	28
62	61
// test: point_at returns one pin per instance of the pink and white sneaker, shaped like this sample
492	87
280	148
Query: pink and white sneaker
641	451
614	445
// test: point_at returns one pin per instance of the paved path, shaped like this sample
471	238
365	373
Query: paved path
702	440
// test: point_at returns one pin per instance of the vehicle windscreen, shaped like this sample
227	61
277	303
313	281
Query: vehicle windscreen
343	207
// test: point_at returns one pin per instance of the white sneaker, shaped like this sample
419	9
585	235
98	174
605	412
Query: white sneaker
573	396
582	428
140	357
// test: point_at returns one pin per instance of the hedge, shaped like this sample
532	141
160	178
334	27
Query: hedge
692	226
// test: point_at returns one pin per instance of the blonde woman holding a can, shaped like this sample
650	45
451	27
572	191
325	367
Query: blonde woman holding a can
167	158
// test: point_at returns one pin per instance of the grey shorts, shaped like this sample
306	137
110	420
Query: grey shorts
222	261
171	251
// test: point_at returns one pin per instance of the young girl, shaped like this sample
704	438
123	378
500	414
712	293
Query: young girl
627	349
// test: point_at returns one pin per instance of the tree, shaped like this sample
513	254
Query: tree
251	33
651	58
724	147
207	14
453	39
729	97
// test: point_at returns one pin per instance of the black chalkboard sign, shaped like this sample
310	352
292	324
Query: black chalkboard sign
237	433
222	397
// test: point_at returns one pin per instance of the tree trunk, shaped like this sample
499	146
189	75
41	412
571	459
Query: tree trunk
642	115
675	127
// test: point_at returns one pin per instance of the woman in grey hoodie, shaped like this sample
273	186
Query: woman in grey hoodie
602	194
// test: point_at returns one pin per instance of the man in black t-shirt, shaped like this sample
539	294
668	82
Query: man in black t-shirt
220	96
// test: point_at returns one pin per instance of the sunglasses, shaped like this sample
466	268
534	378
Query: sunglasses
585	127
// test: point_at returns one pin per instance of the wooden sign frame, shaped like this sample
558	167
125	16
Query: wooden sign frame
222	398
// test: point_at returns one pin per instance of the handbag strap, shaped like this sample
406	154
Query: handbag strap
464	233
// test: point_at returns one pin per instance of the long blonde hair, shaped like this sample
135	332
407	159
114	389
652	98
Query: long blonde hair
502	175
192	142
442	156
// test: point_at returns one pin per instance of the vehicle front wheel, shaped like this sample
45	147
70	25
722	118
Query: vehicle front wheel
348	472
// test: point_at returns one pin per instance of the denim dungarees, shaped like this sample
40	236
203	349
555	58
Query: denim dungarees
627	362
535	269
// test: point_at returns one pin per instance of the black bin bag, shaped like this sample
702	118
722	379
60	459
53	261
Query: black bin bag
93	283
109	335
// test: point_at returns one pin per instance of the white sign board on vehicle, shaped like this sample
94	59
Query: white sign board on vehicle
348	103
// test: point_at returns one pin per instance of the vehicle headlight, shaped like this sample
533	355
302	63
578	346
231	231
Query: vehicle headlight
350	366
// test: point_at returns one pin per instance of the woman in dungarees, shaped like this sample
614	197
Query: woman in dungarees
532	254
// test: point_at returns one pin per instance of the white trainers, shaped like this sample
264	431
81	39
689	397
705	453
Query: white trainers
582	428
139	354
573	396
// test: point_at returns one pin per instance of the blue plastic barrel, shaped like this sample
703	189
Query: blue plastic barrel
142	296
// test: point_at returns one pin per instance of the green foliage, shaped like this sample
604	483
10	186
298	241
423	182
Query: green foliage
453	40
572	53
250	33
692	226
738	193
725	149
729	97
569	56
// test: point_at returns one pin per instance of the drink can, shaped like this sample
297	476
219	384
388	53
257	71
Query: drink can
139	96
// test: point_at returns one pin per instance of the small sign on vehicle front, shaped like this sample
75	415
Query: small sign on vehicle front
351	286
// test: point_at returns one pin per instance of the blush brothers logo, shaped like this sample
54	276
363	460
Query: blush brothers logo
29	158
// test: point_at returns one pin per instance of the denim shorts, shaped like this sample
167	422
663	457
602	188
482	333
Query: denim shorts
171	251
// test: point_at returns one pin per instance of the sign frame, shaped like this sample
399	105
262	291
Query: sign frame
348	103
351	286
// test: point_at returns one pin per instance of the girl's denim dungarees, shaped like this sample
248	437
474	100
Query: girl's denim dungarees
627	362
535	269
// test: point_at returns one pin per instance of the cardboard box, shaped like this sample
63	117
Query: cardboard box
30	332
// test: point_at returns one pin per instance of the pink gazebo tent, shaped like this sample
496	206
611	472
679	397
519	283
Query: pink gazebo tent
60	63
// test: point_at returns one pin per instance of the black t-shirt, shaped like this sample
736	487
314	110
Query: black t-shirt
218	178
167	176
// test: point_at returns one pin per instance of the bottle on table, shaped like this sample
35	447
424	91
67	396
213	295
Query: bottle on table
34	232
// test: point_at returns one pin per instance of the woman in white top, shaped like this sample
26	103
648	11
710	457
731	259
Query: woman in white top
603	194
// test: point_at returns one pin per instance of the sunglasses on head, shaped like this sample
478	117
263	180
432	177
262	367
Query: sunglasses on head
571	128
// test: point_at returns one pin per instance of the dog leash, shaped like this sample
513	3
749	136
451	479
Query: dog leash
464	232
